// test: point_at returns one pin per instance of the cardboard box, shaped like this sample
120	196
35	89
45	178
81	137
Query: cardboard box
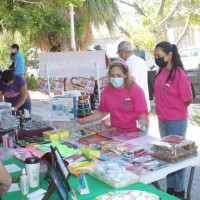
55	134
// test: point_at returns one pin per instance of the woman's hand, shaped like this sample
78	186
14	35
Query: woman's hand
80	120
3	189
142	123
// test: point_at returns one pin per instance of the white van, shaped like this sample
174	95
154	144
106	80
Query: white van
190	57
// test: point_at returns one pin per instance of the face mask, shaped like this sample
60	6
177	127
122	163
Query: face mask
117	82
161	62
13	51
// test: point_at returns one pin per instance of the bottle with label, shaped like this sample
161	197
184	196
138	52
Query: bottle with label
24	183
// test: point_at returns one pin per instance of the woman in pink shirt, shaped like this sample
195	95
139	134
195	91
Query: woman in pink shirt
123	99
173	95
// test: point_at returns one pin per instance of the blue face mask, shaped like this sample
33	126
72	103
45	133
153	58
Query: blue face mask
117	82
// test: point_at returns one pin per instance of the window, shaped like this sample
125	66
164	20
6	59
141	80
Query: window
195	52
184	53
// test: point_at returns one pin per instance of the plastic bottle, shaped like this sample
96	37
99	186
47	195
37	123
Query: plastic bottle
24	182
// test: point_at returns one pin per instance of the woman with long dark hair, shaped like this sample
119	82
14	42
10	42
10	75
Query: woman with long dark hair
173	95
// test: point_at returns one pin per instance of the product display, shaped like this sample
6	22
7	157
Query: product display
113	174
128	195
173	149
84	109
64	107
55	134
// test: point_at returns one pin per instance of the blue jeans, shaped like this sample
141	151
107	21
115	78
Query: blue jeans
176	179
26	106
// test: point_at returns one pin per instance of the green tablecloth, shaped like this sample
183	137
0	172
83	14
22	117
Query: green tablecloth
95	186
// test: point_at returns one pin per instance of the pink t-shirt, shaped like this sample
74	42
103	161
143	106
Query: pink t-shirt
170	96
124	106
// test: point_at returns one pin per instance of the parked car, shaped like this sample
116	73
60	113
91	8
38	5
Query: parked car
191	60
190	57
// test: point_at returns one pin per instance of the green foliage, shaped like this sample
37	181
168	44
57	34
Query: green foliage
142	38
31	82
187	10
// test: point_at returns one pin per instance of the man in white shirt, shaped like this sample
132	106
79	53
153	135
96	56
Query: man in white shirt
137	66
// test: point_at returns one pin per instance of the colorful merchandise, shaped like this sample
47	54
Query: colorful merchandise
55	134
113	174
64	107
84	109
128	195
93	139
176	149
63	149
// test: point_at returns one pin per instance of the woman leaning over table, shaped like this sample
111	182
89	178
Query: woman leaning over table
173	95
13	88
123	99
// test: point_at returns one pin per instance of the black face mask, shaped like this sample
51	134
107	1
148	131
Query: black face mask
161	62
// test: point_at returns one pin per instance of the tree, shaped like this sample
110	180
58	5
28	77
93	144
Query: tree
47	21
159	15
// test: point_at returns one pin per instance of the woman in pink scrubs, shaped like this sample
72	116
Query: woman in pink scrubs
123	99
173	95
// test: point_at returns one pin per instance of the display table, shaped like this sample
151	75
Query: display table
95	186
162	173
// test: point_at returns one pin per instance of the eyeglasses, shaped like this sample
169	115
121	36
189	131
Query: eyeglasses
118	52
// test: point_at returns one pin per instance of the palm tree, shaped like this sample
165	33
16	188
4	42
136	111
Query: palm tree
93	12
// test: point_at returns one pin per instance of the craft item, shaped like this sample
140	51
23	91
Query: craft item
5	153
137	170
36	193
83	181
90	153
55	134
128	195
93	139
24	182
84	115
84	111
82	133
127	136
13	187
155	165
5	141
83	106
141	141
12	168
83	97
64	107
113	174
173	149
101	128
83	101
33	169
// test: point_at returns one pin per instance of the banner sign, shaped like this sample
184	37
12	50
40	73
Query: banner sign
72	64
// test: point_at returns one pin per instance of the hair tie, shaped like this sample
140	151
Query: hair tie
119	62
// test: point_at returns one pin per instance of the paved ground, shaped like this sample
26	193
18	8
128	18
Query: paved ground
41	108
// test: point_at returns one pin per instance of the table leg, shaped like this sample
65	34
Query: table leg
157	185
190	183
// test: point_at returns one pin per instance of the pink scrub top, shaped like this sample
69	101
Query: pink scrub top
124	106
170	96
